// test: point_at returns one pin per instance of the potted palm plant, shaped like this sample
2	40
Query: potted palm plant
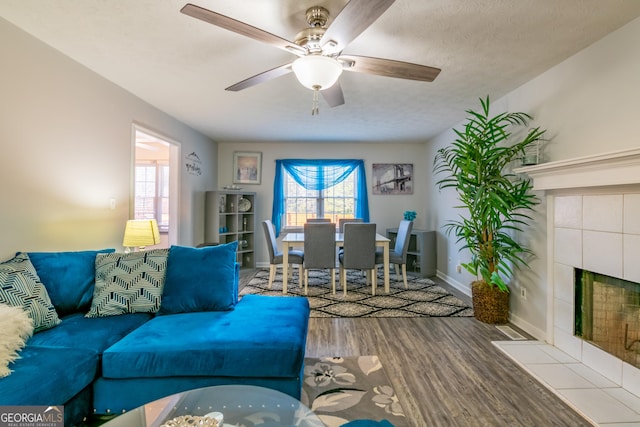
497	202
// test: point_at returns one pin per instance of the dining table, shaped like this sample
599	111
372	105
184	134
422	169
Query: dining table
296	240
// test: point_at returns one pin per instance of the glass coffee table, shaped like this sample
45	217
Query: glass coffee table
240	405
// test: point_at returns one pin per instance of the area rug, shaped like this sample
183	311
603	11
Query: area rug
423	298
342	389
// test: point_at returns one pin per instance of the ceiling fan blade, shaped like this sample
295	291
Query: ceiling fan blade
261	78
333	95
356	17
242	28
389	68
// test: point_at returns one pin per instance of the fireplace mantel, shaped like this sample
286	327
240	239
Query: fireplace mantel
615	168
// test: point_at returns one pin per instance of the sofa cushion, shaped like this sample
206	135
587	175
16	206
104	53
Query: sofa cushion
69	278
264	336
20	286
95	334
128	283
48	375
200	279
15	328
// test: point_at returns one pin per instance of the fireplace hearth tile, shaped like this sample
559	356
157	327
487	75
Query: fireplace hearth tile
592	376
629	399
558	354
600	406
559	376
529	354
601	402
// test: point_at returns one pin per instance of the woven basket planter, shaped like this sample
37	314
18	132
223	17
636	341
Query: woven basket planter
490	305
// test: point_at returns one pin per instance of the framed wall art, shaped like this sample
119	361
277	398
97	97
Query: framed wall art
247	167
392	178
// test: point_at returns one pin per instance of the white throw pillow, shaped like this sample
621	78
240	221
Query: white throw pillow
15	329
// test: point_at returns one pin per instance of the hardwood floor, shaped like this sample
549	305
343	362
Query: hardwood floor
445	371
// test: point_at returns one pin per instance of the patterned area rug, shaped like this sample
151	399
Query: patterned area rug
342	389
423	298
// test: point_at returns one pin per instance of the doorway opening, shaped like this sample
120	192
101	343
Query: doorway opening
155	182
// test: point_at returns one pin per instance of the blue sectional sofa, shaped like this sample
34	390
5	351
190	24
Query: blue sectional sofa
126	336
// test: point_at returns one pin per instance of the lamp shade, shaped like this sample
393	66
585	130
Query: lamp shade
141	232
317	72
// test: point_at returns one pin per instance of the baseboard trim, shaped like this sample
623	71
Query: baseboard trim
535	332
465	289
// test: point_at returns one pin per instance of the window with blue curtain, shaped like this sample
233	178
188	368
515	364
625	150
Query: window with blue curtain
321	178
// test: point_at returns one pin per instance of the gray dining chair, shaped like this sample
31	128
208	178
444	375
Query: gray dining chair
359	252
398	256
319	250
275	254
343	221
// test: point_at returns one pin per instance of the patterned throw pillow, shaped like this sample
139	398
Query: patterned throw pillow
128	283
20	286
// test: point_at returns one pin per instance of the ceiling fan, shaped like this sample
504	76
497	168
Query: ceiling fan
319	49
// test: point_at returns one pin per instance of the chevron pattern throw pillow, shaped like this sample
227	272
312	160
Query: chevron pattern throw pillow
20	286
128	283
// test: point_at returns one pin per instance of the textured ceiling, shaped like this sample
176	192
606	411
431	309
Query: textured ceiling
182	65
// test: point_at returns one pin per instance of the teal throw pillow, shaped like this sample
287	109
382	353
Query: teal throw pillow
128	283
69	278
20	286
201	279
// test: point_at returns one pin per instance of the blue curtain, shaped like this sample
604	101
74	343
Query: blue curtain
318	175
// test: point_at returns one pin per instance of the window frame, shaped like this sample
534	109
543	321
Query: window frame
161	192
320	200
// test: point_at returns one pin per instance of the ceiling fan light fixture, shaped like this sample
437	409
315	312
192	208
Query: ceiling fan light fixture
317	72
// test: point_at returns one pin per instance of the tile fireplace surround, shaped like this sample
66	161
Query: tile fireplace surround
593	223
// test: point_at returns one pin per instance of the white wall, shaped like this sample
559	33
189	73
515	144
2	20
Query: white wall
385	211
65	150
589	105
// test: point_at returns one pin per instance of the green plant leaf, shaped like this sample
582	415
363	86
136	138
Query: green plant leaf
496	202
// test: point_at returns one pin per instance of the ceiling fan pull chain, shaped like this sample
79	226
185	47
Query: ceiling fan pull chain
315	110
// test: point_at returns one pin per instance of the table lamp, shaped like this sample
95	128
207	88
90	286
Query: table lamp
141	233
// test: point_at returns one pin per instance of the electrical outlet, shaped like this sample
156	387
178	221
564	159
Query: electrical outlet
112	203
459	268
523	293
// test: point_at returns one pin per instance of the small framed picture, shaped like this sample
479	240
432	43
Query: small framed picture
392	178
247	167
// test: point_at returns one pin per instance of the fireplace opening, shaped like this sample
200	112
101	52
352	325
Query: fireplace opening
607	314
